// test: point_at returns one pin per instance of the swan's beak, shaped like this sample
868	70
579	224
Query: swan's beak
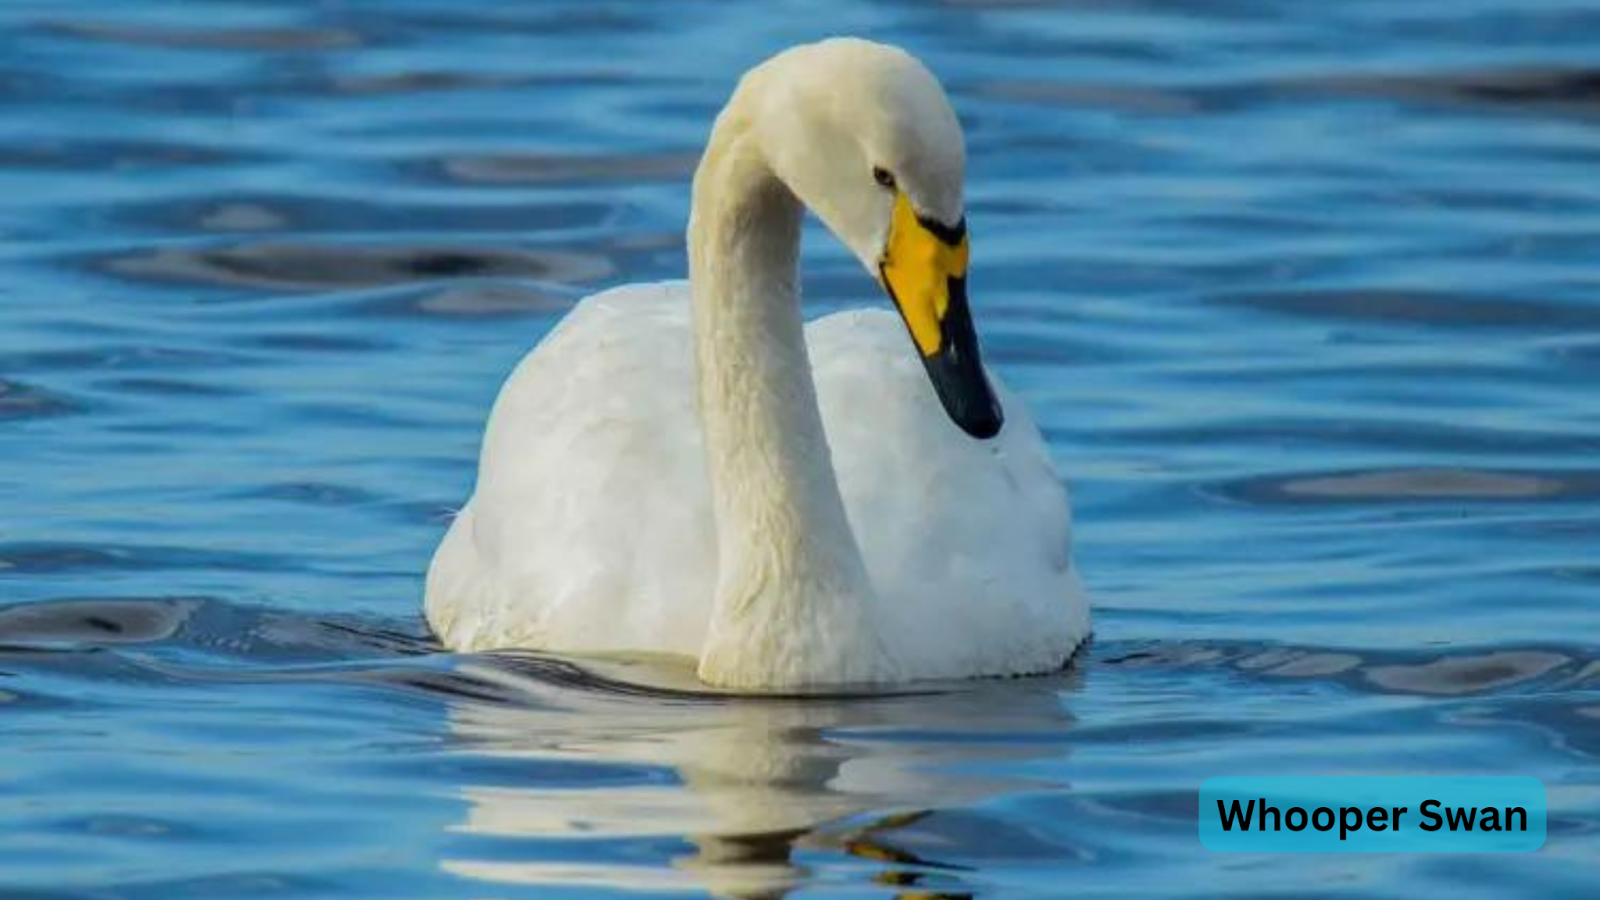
924	269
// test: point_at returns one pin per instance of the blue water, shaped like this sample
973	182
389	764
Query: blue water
1306	297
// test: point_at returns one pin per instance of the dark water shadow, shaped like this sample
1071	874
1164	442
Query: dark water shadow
59	557
1365	487
109	154
1463	672
1421	309
1567	91
299	217
317	267
565	170
225	634
282	39
20	400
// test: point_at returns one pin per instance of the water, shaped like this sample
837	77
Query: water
1305	297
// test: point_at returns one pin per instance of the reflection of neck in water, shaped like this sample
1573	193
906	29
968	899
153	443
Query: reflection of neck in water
745	781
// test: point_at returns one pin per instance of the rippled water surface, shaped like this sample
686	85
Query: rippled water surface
1306	296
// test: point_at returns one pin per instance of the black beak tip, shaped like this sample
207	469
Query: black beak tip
965	394
985	422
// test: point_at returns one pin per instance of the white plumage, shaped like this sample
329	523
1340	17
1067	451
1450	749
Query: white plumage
594	527
591	528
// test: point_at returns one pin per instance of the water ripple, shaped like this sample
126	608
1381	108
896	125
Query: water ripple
94	621
35	558
111	154
266	40
1415	485
312	267
548	169
19	400
1571	90
1422	308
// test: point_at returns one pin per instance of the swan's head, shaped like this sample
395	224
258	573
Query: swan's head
863	134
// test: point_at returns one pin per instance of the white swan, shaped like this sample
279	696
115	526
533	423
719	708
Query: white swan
686	469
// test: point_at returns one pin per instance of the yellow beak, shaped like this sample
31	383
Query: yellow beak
924	270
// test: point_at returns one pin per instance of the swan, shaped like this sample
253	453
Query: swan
688	469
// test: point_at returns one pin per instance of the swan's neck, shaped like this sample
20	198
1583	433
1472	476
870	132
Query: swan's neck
792	591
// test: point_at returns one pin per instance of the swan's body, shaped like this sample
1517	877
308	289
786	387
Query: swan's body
592	526
683	469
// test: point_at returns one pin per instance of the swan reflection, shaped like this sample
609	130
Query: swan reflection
660	788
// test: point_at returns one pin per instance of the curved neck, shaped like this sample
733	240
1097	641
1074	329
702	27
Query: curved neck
786	554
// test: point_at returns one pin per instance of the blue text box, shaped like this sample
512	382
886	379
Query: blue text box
1506	814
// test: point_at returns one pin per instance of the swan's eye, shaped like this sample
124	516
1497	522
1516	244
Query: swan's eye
883	176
